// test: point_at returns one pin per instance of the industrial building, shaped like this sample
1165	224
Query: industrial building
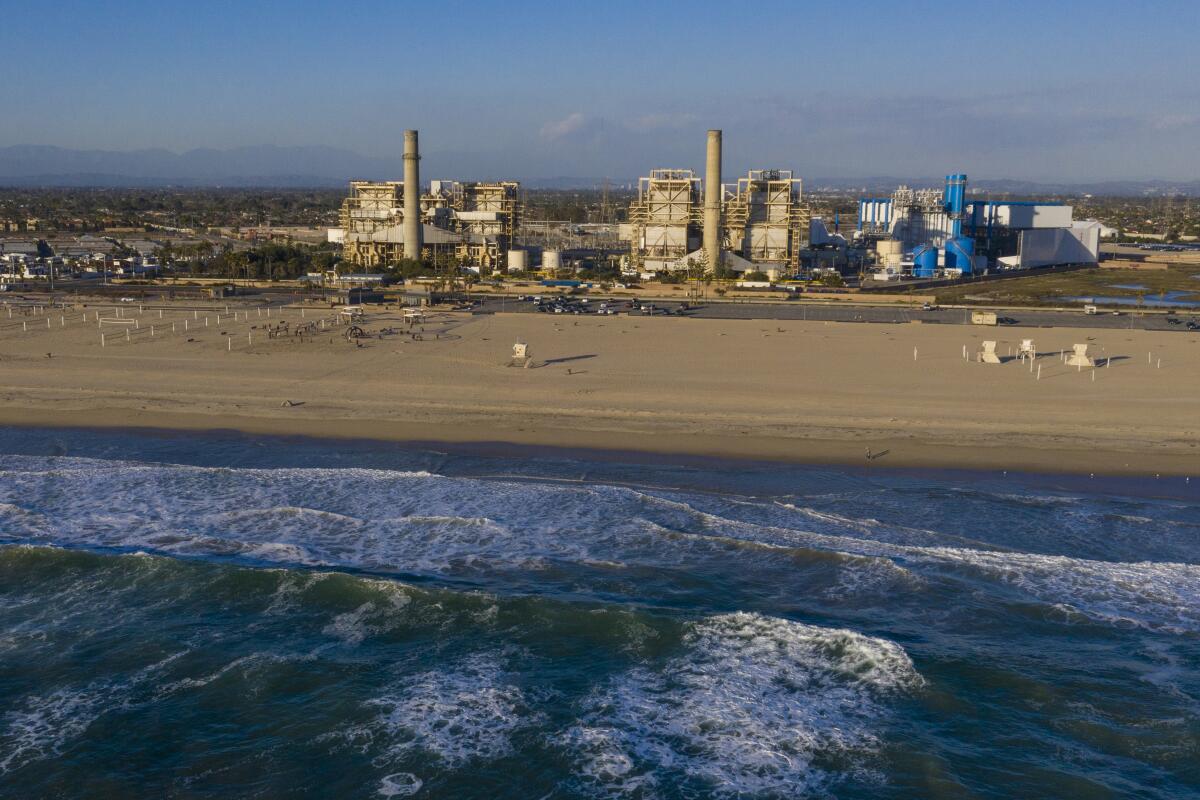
679	222
475	222
486	215
765	221
927	233
664	221
757	223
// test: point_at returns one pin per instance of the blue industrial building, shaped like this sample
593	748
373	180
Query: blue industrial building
927	233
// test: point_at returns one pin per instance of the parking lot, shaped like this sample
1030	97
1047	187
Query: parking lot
567	304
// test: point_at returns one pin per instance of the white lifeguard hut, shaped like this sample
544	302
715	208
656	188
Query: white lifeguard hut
988	354
1079	357
1027	350
520	356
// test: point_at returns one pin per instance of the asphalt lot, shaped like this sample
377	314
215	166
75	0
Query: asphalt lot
794	310
846	313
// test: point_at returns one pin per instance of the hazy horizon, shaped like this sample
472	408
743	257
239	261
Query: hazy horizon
1076	93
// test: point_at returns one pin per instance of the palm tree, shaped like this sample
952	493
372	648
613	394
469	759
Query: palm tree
165	252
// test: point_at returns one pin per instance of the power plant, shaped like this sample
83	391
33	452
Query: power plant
679	222
757	223
765	221
664	221
384	222
927	233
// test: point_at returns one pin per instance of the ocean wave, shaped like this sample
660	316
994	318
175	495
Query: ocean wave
429	524
370	618
44	723
467	711
1151	595
1162	596
746	710
15	465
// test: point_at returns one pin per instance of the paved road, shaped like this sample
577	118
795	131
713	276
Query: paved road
795	310
846	313
151	300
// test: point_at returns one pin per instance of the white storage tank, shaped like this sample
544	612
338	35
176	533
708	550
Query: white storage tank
518	261
890	252
551	260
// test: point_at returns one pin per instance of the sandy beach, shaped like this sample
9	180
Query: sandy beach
794	391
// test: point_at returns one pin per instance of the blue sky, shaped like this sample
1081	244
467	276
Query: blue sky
1036	90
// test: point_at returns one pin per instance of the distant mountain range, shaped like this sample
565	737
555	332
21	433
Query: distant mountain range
269	165
1007	186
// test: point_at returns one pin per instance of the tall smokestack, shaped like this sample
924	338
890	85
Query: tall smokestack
712	201
413	231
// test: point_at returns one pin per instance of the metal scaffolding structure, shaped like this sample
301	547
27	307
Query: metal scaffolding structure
765	220
918	216
664	221
488	215
762	220
478	222
372	207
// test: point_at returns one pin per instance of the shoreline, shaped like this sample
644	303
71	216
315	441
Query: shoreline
898	454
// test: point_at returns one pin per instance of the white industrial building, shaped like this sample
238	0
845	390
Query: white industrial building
385	221
765	220
1043	247
664	221
758	223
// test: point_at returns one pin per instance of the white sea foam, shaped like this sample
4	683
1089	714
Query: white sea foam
352	627
426	523
42	725
399	784
744	711
46	722
1151	595
465	712
873	576
1171	673
1154	595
